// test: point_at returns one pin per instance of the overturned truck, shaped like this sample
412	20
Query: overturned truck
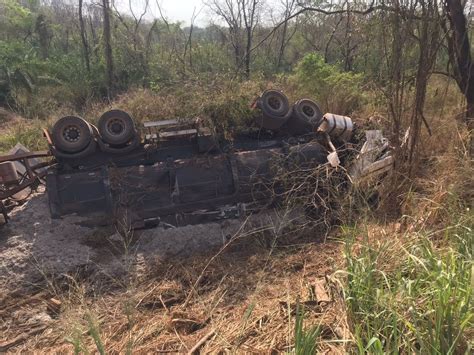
178	172
181	173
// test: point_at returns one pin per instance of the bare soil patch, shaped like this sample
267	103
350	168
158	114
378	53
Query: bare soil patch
229	286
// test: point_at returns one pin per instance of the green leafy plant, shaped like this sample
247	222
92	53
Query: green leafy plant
335	90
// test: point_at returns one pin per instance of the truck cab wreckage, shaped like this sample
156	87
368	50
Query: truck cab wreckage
179	172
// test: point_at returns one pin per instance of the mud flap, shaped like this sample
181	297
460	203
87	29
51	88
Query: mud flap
80	192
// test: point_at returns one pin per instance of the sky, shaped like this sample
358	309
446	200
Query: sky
174	10
182	10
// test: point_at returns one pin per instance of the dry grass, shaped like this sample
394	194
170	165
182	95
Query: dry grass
224	104
246	296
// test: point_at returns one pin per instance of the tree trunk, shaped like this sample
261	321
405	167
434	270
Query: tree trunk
281	52
460	54
109	62
396	82
470	121
328	43
94	46
247	52
41	27
347	49
428	48
83	37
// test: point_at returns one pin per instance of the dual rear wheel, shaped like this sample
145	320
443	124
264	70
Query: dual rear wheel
74	135
304	116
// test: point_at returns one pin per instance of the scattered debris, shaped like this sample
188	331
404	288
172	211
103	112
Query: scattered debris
333	159
21	171
54	306
320	293
374	159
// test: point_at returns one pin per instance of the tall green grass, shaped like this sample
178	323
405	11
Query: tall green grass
414	294
306	338
79	334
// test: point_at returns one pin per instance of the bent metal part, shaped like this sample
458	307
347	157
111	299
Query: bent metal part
12	181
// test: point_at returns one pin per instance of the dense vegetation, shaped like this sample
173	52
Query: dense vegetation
394	65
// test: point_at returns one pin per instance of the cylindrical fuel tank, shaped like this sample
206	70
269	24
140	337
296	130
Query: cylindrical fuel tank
339	127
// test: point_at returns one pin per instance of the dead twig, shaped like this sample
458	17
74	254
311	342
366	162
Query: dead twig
195	348
236	236
21	338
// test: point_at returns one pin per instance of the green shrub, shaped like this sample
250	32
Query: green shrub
222	102
336	91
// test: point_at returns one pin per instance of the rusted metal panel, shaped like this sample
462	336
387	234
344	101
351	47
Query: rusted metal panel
175	190
8	173
80	192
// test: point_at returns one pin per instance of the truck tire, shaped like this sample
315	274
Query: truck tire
90	149
71	134
273	122
305	119
309	111
116	127
274	103
123	149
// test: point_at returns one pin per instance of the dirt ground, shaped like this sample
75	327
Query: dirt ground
33	246
229	286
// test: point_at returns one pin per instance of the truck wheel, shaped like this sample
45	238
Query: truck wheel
116	127
274	103
71	134
309	111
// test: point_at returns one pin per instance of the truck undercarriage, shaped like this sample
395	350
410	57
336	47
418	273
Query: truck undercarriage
179	172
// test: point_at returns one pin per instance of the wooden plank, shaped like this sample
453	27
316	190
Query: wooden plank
164	123
181	133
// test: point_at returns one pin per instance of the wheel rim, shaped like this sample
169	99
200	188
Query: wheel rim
115	127
71	134
308	110
274	102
